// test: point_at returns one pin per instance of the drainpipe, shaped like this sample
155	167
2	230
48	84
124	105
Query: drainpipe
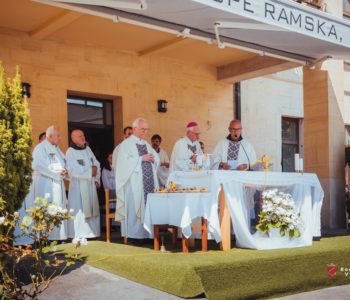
237	100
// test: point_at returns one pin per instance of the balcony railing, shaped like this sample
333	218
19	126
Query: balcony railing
318	4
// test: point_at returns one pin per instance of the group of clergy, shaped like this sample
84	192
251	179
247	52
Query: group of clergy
138	166
50	168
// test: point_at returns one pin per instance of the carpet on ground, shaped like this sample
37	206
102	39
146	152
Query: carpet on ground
234	274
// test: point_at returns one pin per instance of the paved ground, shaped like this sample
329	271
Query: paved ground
88	283
333	293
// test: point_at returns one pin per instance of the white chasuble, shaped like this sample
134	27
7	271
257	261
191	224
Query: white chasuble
48	163
130	186
163	172
182	152
82	196
243	154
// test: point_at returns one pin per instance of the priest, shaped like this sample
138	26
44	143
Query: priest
84	171
136	176
163	170
186	149
234	152
49	171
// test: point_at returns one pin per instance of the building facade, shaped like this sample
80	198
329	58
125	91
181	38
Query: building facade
77	61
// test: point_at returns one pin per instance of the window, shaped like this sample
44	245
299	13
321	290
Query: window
290	143
89	111
347	145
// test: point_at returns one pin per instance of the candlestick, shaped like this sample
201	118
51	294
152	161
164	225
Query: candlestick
296	162
301	164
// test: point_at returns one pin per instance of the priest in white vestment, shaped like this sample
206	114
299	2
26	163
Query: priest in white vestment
136	176
234	152
85	173
186	150
49	171
163	170
127	133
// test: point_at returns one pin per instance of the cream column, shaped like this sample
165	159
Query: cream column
324	131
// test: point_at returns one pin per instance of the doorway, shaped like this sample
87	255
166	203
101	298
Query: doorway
95	118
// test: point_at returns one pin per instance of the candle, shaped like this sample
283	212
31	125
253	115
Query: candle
301	165
296	162
199	160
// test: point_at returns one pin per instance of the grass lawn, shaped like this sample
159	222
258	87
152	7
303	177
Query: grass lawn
234	274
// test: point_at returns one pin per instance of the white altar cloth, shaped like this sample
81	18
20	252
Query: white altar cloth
179	209
305	189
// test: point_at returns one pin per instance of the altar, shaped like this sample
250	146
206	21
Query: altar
235	190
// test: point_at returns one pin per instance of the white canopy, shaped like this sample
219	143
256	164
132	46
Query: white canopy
284	28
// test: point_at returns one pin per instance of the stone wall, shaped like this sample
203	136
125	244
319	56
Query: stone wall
264	101
53	68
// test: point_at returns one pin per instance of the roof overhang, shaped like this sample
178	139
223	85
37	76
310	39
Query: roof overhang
283	29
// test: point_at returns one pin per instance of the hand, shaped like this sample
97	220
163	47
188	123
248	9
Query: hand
94	171
148	157
224	166
64	172
194	158
165	164
242	167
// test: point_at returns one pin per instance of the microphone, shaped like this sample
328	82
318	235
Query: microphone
249	169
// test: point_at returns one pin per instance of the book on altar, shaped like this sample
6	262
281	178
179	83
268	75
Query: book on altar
257	166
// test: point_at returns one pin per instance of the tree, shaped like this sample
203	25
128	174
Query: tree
15	142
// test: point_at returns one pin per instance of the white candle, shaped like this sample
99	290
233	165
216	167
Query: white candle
296	162
199	160
301	164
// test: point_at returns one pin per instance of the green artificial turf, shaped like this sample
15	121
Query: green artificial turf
234	274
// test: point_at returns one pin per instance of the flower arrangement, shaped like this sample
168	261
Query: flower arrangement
28	270
278	212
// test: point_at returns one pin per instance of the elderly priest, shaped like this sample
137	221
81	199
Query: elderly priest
84	171
234	152
49	171
136	176
186	149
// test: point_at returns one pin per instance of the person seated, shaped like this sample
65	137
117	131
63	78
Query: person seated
108	177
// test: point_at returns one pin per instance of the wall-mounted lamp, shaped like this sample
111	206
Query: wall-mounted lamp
26	89
162	105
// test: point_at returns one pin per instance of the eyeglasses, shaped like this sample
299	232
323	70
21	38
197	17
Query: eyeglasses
234	129
144	129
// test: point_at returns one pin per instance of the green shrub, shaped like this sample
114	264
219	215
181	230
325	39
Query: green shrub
15	143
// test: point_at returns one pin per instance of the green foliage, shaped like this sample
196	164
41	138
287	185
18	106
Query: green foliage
278	213
15	143
28	271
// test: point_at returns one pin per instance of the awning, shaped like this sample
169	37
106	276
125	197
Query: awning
273	27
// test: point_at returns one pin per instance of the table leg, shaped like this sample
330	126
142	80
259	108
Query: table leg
204	235
156	237
225	222
184	244
174	236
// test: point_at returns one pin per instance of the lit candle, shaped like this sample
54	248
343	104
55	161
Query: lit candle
301	164
296	162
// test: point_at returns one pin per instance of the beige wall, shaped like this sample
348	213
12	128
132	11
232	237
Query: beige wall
347	94
265	100
52	68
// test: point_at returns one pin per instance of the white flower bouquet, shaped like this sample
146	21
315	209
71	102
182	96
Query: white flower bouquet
278	212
